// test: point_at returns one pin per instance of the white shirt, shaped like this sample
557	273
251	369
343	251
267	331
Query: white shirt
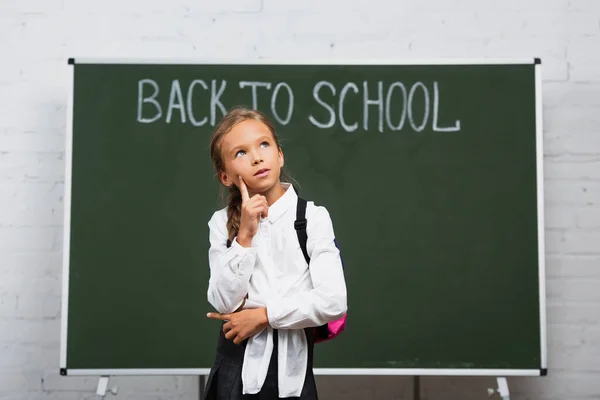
274	273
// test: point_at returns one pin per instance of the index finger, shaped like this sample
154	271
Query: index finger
219	316
243	190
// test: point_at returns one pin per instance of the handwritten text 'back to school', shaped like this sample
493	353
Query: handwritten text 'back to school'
394	106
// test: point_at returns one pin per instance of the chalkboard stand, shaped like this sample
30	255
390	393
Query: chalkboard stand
103	387
502	389
201	386
417	388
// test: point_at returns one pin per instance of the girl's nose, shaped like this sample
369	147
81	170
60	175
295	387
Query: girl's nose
256	159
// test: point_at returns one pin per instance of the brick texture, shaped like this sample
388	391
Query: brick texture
37	36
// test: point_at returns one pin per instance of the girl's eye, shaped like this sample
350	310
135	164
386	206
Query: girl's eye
264	144
240	153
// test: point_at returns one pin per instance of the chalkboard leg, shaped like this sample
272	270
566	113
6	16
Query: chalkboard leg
103	387
102	384
503	388
202	386
417	388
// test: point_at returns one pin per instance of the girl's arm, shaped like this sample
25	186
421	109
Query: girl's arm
327	300
230	268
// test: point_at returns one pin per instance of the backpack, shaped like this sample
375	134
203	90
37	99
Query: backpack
333	328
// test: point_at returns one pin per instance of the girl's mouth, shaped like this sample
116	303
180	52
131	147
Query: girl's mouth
261	173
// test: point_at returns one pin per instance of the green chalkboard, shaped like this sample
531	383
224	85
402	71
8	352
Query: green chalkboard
431	174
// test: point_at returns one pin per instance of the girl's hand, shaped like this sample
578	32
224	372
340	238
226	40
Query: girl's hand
242	324
252	209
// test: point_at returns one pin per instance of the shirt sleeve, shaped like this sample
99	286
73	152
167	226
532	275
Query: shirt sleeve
327	300
230	268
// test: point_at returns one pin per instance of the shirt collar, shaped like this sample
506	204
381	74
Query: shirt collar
281	205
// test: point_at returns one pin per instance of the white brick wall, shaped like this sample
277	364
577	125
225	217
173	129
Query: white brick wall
37	36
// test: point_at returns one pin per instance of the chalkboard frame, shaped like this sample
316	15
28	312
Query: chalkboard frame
64	370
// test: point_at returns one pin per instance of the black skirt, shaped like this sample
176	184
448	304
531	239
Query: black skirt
225	378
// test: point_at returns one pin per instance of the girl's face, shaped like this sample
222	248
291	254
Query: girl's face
249	150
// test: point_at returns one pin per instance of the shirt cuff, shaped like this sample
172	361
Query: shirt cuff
237	252
273	313
241	249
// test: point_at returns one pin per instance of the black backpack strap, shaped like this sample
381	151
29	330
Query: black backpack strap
300	226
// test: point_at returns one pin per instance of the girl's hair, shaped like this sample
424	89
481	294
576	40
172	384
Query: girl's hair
231	119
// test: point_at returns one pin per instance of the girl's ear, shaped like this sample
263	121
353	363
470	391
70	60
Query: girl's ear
281	159
224	178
